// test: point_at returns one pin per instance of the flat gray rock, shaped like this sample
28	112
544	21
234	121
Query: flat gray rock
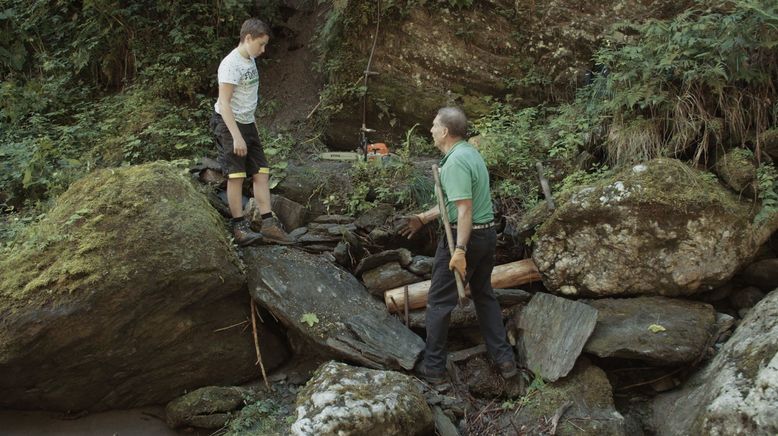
553	331
388	276
421	266
329	308
658	330
401	255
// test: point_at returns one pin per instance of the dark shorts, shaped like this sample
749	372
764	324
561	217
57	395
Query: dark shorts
234	166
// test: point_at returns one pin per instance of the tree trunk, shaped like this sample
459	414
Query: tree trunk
504	276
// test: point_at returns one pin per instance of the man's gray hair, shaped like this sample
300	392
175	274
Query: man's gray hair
454	120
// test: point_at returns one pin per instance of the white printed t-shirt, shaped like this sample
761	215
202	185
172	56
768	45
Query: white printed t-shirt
242	73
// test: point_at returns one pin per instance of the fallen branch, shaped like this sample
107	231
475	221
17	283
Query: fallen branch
561	411
648	382
256	342
230	326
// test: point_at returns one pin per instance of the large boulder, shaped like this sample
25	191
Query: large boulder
329	309
657	330
737	392
118	298
659	228
347	400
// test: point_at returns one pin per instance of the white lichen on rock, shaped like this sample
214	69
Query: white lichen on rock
346	400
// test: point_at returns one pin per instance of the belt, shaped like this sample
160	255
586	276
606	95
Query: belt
477	226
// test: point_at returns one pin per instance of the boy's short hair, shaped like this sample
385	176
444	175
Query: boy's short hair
254	27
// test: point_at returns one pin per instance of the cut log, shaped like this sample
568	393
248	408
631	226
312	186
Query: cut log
512	300
503	276
553	332
461	317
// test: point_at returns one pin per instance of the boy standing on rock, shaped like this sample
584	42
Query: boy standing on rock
236	136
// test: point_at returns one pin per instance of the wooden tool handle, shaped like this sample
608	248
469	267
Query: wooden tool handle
449	234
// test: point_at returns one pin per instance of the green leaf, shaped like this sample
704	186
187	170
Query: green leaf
656	328
309	318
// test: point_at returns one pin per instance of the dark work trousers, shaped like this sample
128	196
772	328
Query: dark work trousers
443	298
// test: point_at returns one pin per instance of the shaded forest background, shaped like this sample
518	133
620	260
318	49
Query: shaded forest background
102	83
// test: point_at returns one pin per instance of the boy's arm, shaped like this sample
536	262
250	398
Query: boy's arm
225	97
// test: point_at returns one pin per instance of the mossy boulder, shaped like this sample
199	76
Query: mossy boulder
591	411
737	392
347	400
737	168
659	228
208	407
769	142
114	299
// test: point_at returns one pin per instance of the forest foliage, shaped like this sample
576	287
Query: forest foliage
102	83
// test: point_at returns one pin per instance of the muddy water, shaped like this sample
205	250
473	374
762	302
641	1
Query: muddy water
140	422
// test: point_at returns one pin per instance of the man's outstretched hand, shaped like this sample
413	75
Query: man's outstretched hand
412	225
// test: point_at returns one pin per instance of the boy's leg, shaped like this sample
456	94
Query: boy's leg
258	167
262	192
234	168
235	196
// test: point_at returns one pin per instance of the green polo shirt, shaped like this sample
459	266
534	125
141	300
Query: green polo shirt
463	176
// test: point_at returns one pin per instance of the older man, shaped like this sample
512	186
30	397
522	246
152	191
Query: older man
465	183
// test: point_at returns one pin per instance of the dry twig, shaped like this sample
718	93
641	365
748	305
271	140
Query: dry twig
230	326
256	341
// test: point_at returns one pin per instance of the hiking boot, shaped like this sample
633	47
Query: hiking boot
430	376
508	369
243	234
272	231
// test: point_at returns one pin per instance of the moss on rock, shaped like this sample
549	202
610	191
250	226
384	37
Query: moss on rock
125	282
650	229
99	213
592	411
737	169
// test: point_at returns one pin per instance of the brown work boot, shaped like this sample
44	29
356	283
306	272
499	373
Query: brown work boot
430	376
243	234
273	232
508	369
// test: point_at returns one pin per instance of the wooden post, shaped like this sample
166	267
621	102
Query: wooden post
449	235
545	186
